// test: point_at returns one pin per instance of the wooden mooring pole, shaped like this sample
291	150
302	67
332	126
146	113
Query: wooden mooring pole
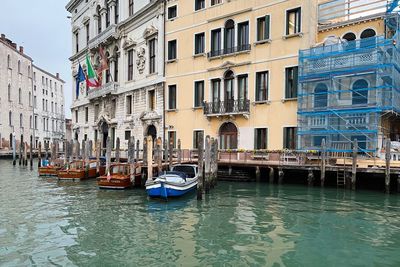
310	177
145	151
354	165
46	150
271	175
207	164
214	162
323	161
131	158
200	184
25	163
179	152
159	155
149	155
21	145
137	150
117	151
90	149
170	153
387	169
98	154
108	155
30	154
40	154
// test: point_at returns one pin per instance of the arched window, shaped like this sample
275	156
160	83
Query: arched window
10	118
29	71
20	120
19	66
30	99
19	96
8	61
229	36
368	33
320	95
116	60
368	38
98	20
30	121
107	13
108	73
360	92
350	37
228	91
116	14
9	92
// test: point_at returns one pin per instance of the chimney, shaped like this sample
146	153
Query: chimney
58	75
21	49
14	45
3	37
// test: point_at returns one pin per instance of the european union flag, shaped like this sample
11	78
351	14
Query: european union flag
80	78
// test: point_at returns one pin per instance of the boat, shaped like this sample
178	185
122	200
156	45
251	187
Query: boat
80	170
51	170
119	177
181	180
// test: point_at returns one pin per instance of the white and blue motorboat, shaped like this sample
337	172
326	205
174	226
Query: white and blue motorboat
180	180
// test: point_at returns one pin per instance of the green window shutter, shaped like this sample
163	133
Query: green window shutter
267	24
255	139
266	138
295	80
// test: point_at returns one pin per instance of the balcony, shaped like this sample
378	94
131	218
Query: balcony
109	88
227	108
103	37
229	51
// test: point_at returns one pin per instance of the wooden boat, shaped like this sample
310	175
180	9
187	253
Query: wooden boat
51	170
181	180
80	170
119	177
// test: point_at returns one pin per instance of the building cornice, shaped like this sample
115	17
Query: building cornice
150	8
71	4
16	50
337	25
48	73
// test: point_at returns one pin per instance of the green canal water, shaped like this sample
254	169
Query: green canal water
44	222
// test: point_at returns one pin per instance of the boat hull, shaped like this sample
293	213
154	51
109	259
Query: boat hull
79	174
49	171
166	190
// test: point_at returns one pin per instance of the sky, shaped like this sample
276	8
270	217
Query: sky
43	29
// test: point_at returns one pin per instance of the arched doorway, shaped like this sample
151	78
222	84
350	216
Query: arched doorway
151	130
360	92
228	135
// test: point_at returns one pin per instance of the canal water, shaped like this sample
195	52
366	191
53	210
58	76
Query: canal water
44	222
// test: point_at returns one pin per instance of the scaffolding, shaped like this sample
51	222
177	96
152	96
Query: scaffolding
350	90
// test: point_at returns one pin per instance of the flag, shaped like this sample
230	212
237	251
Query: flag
103	64
91	78
80	78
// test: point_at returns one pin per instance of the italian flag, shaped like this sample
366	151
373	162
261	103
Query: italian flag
91	76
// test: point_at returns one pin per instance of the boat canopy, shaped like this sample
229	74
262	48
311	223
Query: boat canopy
189	170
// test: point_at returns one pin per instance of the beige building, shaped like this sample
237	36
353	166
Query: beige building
231	70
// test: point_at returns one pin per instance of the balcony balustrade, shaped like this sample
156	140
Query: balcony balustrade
109	88
228	51
229	107
109	33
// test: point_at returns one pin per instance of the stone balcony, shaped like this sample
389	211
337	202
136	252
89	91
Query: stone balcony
227	108
108	88
104	37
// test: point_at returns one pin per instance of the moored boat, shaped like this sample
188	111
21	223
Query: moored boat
181	180
119	177
51	170
80	170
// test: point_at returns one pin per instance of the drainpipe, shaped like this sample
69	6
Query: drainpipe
33	108
164	66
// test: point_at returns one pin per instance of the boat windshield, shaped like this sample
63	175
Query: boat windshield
120	169
188	170
76	165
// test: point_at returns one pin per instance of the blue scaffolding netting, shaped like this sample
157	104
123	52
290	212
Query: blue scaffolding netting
350	90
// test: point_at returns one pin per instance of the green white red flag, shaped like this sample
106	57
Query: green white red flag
91	76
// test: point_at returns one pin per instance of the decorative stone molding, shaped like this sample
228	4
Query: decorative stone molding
128	43
149	117
141	59
150	32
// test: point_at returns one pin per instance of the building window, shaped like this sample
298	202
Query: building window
320	95
243	36
215	2
172	50
86	114
116	14
128	104
113	108
152	56
199	43
291	81
19	66
215	90
107	14
262	86
127	135
9	92
130	7
215	42
260	138
229	36
98	20
87	33
35	123
172	12
289	137
96	111
199	4
263	25
21	120
19	96
196	138
77	42
360	92
171	97
152	99
293	21
130	65
8	61
10	118
35	102
76	116
242	88
172	138
198	94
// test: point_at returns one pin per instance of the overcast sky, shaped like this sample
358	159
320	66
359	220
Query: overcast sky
42	28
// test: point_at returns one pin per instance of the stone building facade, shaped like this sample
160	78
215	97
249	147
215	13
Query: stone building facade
130	99
48	102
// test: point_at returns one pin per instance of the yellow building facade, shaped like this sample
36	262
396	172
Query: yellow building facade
231	70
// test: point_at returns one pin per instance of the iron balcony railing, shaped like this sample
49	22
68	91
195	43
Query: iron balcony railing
230	50
229	107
